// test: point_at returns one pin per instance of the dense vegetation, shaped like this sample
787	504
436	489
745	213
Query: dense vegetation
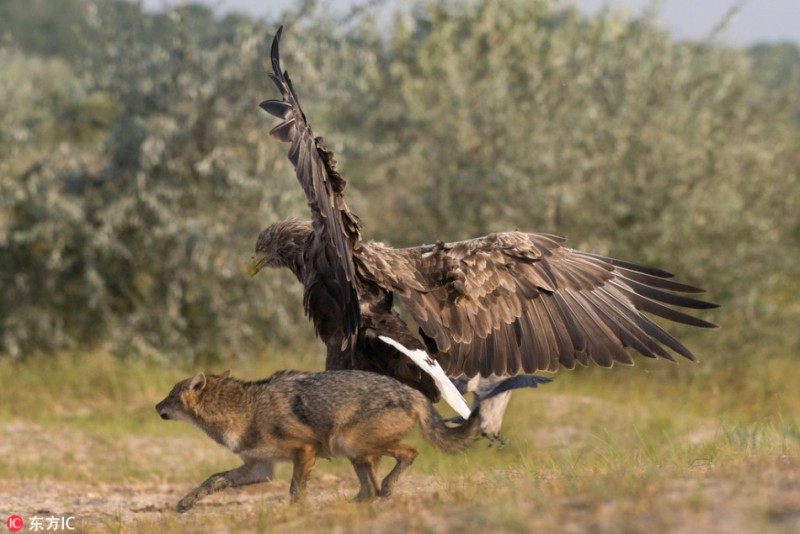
136	170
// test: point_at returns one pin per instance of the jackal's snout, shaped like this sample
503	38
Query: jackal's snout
161	409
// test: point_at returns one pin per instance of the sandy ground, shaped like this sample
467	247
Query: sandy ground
106	505
768	505
763	498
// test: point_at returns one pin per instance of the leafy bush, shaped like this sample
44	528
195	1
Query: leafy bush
133	185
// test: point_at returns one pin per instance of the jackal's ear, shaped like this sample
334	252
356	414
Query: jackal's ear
225	374
198	382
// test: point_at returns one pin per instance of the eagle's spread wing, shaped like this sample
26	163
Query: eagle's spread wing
337	231
513	302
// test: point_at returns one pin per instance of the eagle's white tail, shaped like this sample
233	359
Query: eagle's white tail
449	392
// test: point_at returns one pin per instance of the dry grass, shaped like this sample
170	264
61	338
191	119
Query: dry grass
627	450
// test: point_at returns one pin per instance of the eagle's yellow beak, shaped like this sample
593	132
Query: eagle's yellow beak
256	263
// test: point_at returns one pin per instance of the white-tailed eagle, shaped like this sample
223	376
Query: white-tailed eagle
498	305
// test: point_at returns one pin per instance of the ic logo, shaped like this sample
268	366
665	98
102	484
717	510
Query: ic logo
14	523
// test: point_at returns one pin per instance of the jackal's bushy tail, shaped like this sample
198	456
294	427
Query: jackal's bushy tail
446	438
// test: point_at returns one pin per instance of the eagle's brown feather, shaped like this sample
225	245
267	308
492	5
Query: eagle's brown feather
500	304
527	303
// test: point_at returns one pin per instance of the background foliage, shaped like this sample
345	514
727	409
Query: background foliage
136	170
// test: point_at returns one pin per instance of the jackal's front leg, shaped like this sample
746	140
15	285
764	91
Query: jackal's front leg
303	463
249	473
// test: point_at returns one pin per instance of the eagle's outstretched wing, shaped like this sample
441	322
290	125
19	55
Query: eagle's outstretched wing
513	301
336	229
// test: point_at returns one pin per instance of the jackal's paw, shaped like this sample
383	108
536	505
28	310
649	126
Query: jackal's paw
185	504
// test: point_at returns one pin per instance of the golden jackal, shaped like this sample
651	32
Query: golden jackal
295	416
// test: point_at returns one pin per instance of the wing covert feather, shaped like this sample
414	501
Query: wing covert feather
512	302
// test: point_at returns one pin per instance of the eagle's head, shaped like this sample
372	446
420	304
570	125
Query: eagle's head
281	244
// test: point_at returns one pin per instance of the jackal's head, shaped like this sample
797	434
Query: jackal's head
183	401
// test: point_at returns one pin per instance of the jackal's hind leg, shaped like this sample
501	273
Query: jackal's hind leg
366	470
303	462
249	473
405	456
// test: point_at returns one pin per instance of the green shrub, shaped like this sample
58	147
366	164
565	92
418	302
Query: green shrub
133	185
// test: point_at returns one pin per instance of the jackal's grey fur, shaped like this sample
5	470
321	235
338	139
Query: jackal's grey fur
295	416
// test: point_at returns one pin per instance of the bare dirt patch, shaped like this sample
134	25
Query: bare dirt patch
130	482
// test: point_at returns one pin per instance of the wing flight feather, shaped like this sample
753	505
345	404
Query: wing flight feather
337	230
516	302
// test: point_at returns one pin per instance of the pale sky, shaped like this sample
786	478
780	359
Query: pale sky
756	21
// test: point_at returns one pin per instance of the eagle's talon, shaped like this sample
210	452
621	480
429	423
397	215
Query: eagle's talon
495	438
